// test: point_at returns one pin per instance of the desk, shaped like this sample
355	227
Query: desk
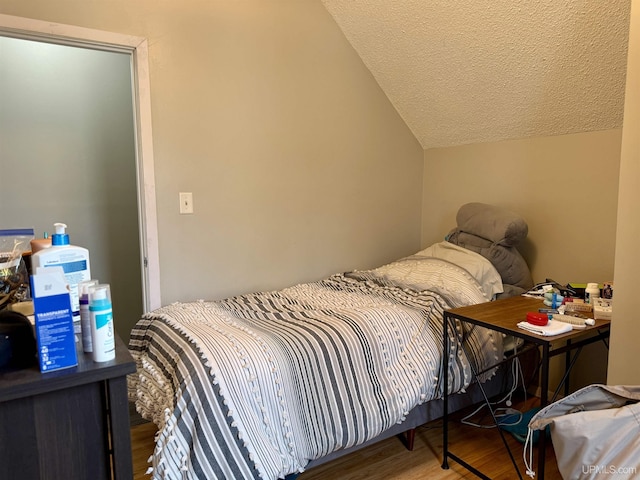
71	423
503	316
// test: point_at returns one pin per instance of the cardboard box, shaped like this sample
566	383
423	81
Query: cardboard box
53	320
602	308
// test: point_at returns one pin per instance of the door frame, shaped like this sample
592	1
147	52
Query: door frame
137	48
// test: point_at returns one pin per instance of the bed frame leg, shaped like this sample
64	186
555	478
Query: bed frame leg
407	438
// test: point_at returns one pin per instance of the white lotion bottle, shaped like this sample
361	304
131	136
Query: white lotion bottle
74	262
102	331
591	293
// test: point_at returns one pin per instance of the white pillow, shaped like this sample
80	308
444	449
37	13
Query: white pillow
478	267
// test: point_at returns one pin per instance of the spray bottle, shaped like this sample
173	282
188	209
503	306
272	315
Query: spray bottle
102	331
85	314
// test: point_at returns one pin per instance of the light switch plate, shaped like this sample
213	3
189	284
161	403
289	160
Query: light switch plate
186	203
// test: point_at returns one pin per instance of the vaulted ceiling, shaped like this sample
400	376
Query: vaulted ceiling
473	71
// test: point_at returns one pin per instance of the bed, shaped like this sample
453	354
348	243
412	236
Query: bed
268	384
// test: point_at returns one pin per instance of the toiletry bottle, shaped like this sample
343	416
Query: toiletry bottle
38	244
102	332
592	291
73	260
85	315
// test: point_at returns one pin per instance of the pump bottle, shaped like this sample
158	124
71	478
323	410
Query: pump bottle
102	330
74	262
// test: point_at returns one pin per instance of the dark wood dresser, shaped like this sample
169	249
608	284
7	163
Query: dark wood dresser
68	424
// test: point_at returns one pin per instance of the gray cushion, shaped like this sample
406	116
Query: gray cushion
510	265
494	232
493	223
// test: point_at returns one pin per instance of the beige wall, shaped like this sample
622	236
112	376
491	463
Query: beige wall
298	163
625	330
566	187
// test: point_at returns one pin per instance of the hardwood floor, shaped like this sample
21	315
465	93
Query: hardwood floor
390	460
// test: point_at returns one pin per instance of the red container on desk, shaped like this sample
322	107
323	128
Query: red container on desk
536	318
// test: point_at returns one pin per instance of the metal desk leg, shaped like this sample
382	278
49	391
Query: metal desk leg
544	389
445	395
468	356
567	369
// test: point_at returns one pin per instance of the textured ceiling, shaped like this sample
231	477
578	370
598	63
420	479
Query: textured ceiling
475	71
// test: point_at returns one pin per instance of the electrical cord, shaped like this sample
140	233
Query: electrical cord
518	376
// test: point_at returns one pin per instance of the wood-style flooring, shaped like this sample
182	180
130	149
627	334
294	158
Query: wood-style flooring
390	460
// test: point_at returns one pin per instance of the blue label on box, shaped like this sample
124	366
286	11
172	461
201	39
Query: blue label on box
54	328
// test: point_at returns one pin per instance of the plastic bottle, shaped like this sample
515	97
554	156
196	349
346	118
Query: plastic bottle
73	260
38	244
592	291
85	315
102	332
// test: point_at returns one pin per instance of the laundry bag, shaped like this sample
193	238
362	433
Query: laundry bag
595	432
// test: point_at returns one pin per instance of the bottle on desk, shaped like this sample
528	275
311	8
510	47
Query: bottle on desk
74	261
592	291
85	314
102	331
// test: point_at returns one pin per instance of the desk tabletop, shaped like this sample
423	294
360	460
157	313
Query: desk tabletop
504	315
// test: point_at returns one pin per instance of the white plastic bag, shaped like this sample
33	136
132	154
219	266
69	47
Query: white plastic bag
14	278
595	432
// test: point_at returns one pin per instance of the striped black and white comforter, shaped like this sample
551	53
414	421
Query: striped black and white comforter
257	385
